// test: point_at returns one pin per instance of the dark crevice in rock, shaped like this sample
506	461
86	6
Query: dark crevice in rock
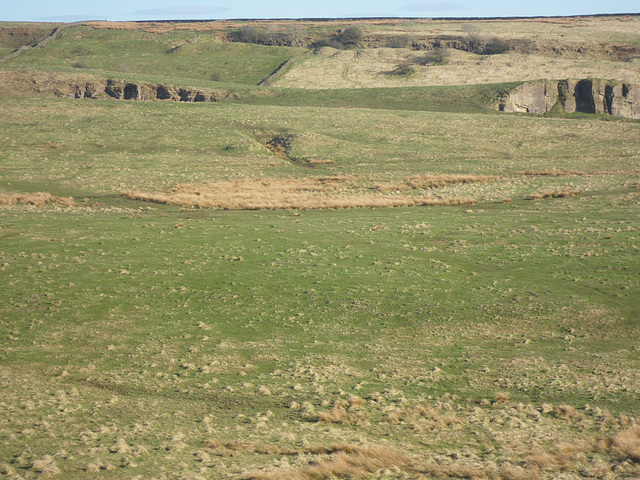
131	91
625	90
608	98
162	93
585	101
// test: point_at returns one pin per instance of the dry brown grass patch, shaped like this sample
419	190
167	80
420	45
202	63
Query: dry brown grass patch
319	161
565	173
37	199
413	414
627	443
562	456
344	411
289	193
45	466
452	470
550	173
337	414
566	192
566	411
438	181
501	398
249	447
514	472
348	461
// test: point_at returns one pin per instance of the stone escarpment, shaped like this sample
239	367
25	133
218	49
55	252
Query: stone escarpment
585	96
122	90
62	85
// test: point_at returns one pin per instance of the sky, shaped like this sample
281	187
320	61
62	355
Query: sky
126	10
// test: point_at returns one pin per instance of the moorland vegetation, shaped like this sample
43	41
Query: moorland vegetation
308	250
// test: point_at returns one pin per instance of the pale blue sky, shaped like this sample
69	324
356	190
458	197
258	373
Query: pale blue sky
119	10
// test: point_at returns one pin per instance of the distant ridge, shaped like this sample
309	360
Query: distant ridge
354	19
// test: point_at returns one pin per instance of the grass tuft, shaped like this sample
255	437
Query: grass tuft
627	443
566	192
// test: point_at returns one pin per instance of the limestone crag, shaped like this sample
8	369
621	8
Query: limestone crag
586	96
121	90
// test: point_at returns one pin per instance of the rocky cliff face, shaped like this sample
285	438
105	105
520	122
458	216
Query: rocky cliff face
89	86
121	90
586	96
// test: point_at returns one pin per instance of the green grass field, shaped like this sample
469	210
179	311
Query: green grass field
182	57
492	340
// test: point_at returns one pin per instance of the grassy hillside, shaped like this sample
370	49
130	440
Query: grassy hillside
15	35
194	291
184	56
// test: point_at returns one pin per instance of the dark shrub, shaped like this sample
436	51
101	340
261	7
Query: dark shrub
246	34
486	46
350	36
402	70
439	56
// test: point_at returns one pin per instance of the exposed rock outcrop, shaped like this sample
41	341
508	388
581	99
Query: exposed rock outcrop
586	96
121	90
92	87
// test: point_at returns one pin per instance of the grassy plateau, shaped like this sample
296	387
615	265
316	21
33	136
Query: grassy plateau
369	278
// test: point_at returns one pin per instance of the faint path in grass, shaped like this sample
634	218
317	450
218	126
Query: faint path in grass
41	43
281	69
346	73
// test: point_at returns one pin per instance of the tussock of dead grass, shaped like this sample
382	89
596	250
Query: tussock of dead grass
37	199
340	414
348	461
288	193
45	465
337	414
6	469
319	161
514	472
501	398
438	181
627	443
567	192
429	181
269	449
563	455
566	411
412	414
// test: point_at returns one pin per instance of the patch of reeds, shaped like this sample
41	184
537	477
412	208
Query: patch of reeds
289	193
37	199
